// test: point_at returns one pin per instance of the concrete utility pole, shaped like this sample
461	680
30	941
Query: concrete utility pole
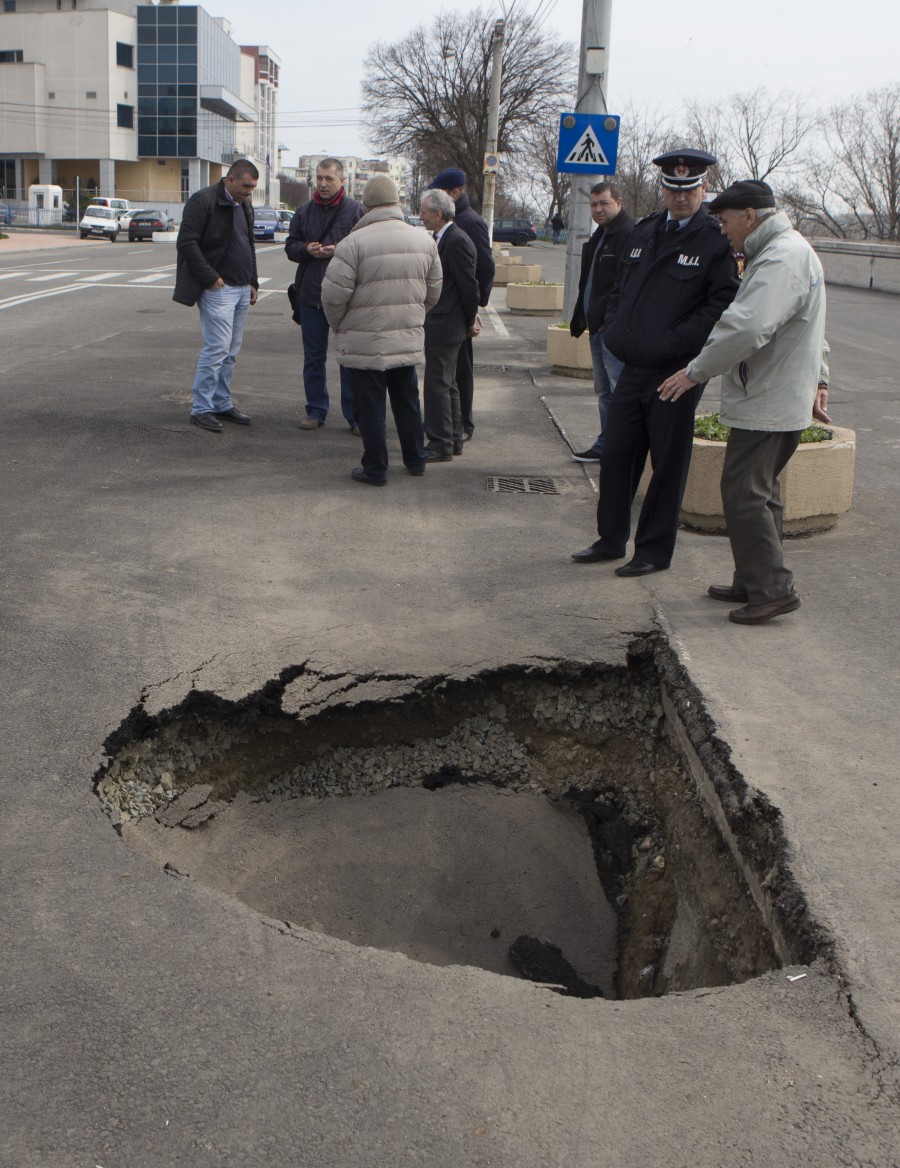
593	71
493	125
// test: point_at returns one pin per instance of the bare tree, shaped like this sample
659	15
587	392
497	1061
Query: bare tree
547	188
427	95
850	185
752	134
293	192
643	134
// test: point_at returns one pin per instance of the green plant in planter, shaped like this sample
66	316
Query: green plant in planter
564	324
709	427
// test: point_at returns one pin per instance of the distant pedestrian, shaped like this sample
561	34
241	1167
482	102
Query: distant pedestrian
315	230
769	345
557	226
450	321
378	287
453	181
677	277
216	270
600	259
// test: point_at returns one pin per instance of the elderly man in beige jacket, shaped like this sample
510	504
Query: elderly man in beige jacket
383	278
769	345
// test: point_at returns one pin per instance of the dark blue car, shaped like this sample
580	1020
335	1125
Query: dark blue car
265	223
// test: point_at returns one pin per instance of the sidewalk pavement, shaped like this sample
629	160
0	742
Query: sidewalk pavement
152	1021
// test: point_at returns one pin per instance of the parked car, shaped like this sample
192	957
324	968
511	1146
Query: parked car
414	221
265	222
7	214
126	217
521	232
98	221
284	220
144	223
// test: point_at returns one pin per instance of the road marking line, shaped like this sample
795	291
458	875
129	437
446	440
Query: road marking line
13	301
149	279
499	327
52	276
10	275
265	279
97	277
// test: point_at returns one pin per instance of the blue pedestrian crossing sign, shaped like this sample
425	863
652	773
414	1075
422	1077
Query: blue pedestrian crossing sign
588	143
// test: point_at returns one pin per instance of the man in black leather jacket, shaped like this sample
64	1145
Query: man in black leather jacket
677	276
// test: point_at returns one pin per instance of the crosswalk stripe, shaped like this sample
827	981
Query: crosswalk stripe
52	276
10	275
149	279
265	279
97	277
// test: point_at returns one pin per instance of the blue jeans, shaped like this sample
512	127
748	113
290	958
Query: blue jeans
606	375
314	329
223	312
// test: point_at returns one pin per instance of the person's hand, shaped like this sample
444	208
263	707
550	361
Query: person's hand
220	283
254	294
314	249
326	251
820	405
475	328
676	385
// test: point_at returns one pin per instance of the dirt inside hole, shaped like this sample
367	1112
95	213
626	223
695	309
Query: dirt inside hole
587	809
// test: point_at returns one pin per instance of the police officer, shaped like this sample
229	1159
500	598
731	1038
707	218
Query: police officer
676	278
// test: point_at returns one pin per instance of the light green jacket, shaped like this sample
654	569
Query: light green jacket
769	343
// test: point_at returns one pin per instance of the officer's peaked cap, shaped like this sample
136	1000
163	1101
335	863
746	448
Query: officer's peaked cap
684	169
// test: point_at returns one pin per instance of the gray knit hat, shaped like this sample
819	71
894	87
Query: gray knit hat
380	191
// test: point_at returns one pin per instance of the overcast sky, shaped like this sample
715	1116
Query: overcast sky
660	52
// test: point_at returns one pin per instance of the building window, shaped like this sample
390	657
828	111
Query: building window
51	96
124	55
8	56
91	93
9	5
125	116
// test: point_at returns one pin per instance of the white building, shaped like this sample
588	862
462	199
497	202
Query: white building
148	102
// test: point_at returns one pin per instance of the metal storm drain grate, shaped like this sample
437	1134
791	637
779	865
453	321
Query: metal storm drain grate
520	485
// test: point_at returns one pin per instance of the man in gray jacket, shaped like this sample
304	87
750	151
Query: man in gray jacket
769	345
384	277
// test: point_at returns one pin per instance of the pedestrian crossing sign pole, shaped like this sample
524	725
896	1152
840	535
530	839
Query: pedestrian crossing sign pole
588	143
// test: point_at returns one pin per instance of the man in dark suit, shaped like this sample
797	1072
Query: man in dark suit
447	325
453	181
600	258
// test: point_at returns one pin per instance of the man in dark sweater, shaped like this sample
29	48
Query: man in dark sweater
600	258
453	181
316	228
216	270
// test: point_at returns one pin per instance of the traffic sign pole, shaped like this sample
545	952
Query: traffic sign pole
593	70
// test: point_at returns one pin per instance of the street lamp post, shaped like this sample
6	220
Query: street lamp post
493	126
593	71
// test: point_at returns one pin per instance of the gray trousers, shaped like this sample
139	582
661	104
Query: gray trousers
751	498
443	416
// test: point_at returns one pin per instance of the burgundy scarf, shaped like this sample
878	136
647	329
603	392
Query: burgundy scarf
331	202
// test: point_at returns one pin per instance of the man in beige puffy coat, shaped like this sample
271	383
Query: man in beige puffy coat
383	278
769	345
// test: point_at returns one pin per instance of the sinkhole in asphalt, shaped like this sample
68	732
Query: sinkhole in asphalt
578	825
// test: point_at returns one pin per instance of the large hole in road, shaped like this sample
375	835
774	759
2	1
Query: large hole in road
578	825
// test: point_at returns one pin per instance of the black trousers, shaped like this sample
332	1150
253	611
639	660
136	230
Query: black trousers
640	423
443	420
751	499
371	387
465	383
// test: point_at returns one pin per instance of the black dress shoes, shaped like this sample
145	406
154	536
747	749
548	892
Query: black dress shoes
207	422
728	592
592	555
457	447
359	476
436	456
640	568
754	614
234	415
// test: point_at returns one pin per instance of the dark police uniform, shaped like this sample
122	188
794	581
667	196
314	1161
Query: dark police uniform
671	290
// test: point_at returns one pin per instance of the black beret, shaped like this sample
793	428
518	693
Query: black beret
749	192
448	180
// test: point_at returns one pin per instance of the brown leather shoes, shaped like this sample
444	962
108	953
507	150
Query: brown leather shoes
754	614
727	592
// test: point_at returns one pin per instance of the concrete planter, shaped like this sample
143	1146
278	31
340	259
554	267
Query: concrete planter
567	355
817	485
513	271
535	299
